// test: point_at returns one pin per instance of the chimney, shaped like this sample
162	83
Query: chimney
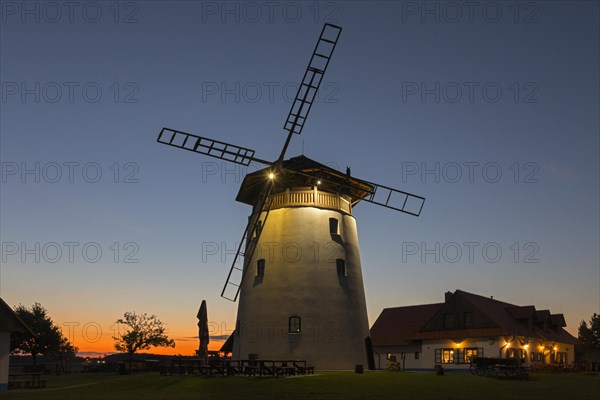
447	296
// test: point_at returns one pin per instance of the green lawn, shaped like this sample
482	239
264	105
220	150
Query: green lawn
327	385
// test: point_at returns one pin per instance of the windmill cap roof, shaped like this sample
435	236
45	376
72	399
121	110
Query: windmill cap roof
301	171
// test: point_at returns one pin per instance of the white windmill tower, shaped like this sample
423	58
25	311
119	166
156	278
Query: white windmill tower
300	285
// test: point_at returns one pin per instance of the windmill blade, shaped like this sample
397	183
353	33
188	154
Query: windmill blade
312	78
250	237
209	147
367	191
395	199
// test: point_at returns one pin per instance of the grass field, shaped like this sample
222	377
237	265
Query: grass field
325	385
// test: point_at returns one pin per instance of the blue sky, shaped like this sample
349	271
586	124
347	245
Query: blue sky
489	112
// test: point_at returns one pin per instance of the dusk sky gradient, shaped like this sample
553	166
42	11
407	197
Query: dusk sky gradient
196	66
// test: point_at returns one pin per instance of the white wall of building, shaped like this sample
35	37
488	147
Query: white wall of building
549	352
4	358
301	279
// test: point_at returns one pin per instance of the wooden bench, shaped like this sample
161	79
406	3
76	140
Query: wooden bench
303	369
26	381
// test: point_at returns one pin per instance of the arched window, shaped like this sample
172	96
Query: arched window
333	226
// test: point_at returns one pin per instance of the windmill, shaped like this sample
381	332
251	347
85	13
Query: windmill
300	285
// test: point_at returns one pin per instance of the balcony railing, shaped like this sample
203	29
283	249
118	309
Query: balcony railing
311	197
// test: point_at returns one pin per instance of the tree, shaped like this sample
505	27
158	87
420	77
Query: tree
142	332
47	337
590	336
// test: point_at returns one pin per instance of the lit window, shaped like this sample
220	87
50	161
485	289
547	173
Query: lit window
260	267
457	356
511	353
333	226
444	356
447	356
470	353
341	267
294	325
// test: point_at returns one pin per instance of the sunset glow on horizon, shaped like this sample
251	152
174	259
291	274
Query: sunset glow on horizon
494	122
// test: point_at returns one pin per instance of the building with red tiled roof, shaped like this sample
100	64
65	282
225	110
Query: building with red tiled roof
468	325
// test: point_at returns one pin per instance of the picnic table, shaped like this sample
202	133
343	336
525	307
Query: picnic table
30	380
275	368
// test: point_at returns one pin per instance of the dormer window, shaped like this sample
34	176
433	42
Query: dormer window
448	320
469	318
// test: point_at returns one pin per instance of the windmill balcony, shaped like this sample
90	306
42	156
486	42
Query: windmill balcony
302	197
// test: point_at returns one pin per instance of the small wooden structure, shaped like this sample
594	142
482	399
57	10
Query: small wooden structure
499	367
10	323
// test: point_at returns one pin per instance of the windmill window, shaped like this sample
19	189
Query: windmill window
257	229
294	325
333	226
260	267
341	267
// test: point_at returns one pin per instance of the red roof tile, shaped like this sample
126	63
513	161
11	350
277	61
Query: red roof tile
401	325
398	325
